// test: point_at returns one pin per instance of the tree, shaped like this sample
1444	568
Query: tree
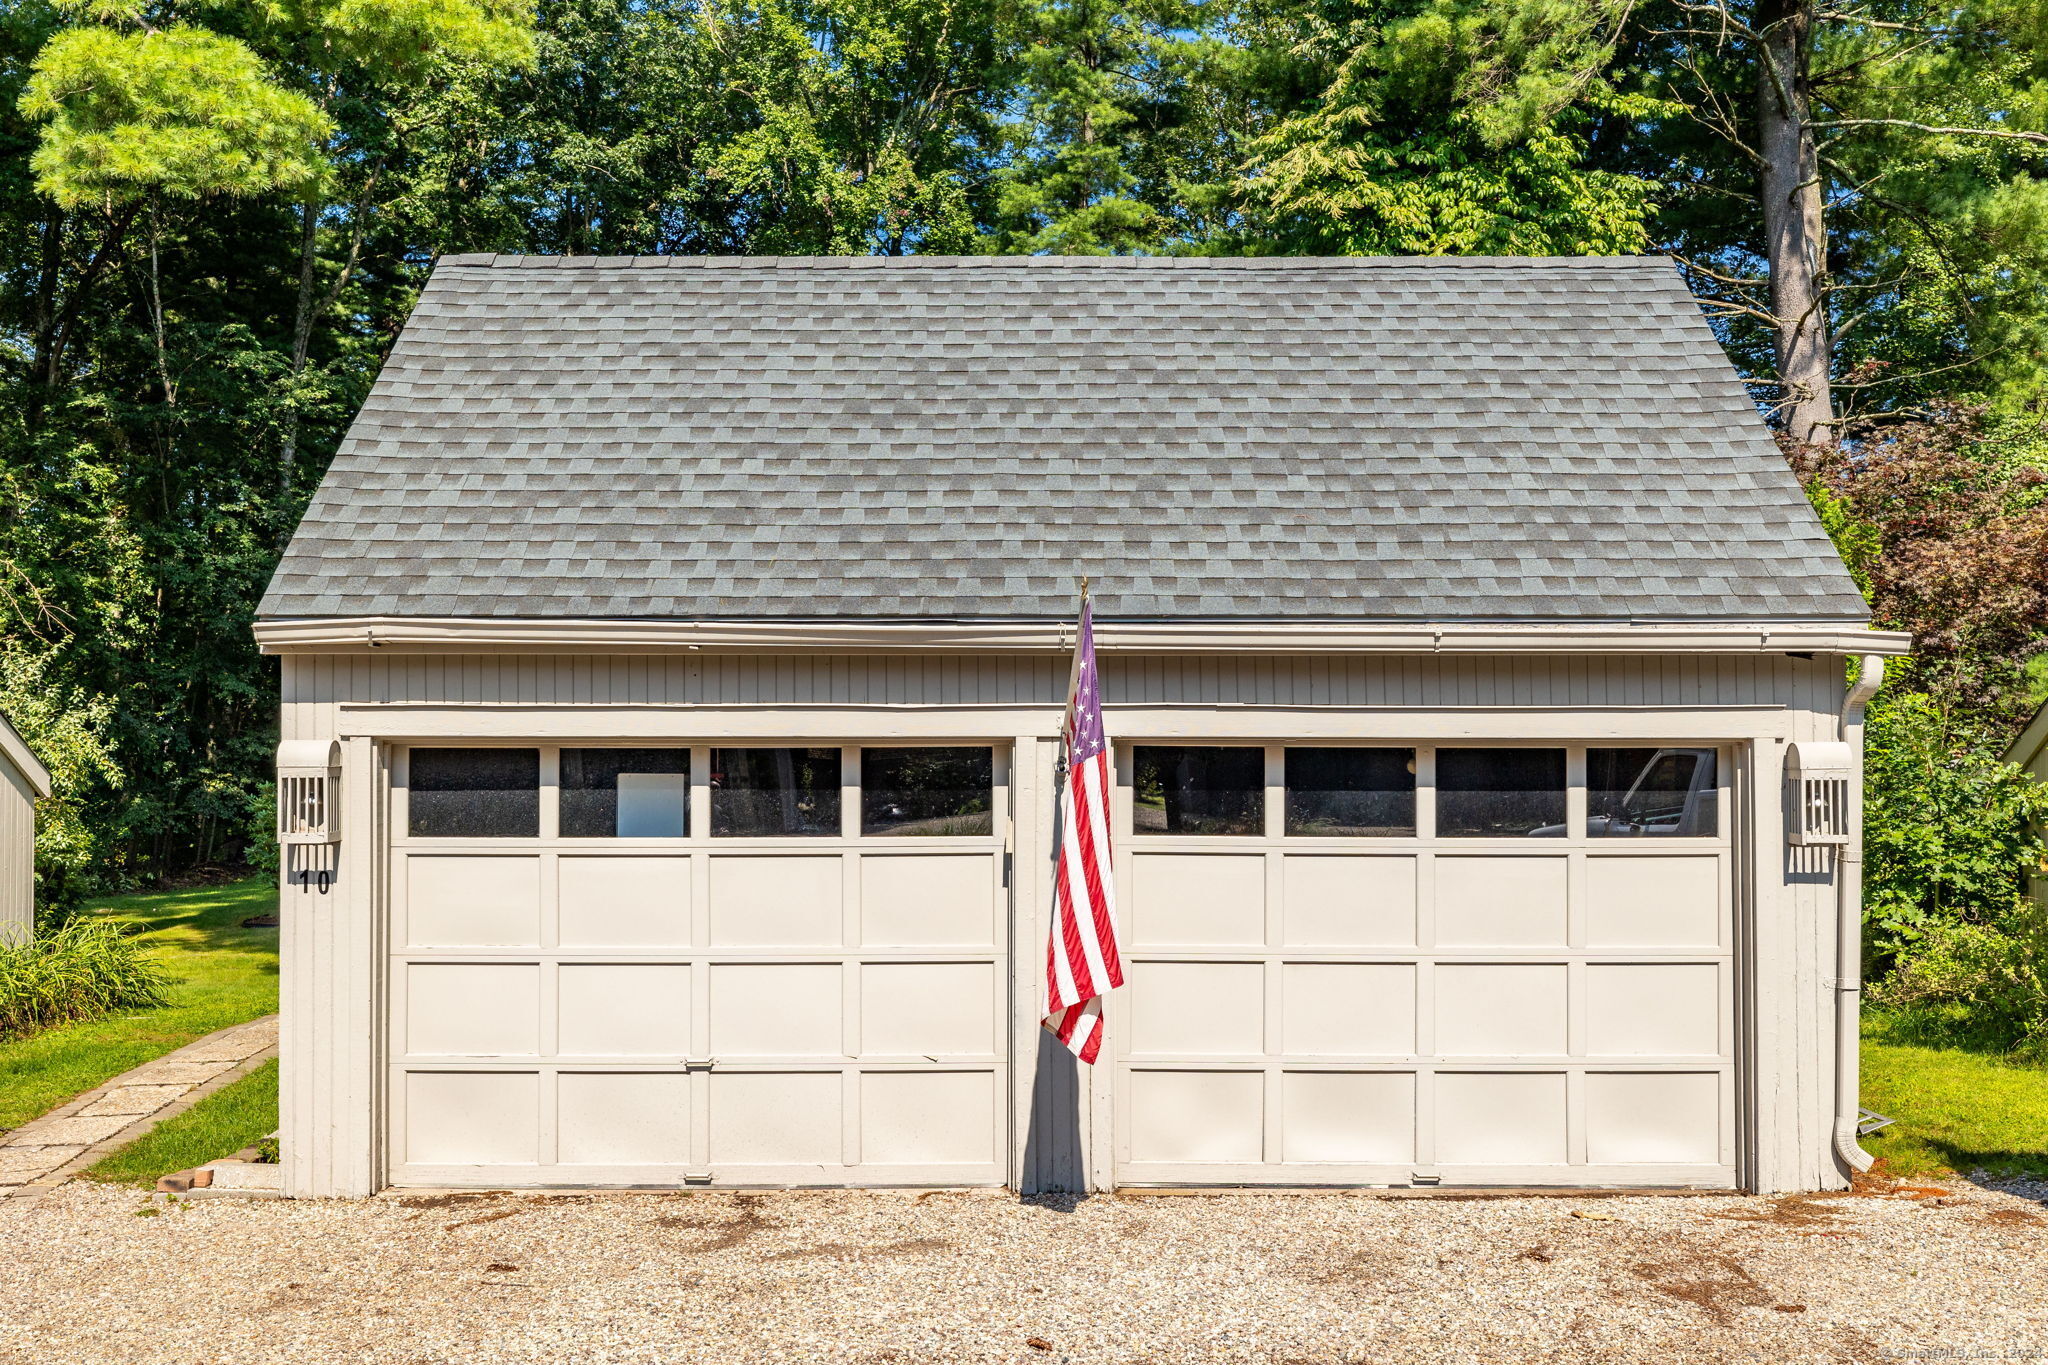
362	64
793	126
1117	113
1895	148
140	103
1446	127
1944	522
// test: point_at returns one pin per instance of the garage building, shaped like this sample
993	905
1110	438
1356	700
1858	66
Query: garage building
673	665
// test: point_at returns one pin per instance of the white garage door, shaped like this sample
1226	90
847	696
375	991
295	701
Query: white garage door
698	965
1483	966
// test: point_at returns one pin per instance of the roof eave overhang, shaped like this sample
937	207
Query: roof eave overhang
558	635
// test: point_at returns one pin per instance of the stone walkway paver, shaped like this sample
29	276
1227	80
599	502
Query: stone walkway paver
47	1151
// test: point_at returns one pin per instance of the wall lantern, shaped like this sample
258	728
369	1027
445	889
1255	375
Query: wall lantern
309	791
1818	776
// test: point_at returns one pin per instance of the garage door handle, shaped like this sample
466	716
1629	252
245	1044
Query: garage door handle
698	1063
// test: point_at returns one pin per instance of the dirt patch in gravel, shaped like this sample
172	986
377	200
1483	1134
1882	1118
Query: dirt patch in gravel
746	1222
1713	1282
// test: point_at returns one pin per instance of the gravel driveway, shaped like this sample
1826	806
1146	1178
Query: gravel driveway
897	1276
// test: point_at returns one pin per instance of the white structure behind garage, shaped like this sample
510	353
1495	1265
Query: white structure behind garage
1617	1011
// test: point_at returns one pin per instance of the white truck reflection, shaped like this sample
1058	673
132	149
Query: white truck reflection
1677	794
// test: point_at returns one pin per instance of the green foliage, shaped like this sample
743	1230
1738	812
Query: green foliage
777	126
1460	127
399	42
79	971
1124	116
231	1118
68	730
178	110
1951	827
1937	264
1952	834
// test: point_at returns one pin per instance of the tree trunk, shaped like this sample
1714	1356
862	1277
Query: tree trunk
1795	234
302	336
41	368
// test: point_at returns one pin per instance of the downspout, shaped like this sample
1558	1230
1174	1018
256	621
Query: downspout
1849	927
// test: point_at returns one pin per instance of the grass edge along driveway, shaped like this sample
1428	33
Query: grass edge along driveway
237	1115
222	974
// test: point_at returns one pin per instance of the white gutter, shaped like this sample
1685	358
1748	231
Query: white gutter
1849	929
487	635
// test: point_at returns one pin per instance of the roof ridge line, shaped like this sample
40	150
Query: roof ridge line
507	260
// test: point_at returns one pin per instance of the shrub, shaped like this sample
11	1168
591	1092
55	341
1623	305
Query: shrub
1957	949
1978	986
81	970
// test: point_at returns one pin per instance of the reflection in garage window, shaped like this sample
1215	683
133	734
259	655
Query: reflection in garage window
627	793
1359	792
769	792
473	794
1186	790
928	791
1499	793
1635	792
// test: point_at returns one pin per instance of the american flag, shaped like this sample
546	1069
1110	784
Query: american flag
1081	960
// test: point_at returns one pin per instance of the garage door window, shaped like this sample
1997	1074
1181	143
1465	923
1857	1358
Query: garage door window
1499	793
474	794
926	791
1367	793
775	793
625	793
1669	793
1182	789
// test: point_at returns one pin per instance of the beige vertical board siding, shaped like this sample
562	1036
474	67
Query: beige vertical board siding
332	978
17	854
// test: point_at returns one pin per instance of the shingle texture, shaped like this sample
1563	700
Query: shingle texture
950	438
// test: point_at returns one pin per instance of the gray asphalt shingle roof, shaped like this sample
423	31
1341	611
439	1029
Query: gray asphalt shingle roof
938	438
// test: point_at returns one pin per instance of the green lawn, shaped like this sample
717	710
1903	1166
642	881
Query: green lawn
1956	1111
223	974
223	1123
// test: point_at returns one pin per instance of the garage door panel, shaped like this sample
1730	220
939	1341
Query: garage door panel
1484	902
1198	900
1359	1117
732	1000
1492	1009
1196	1116
1359	1009
1197	1009
1653	1117
1662	1009
1501	1118
1341	901
612	902
928	900
776	1009
472	1009
911	1118
623	1118
623	1010
472	902
774	902
1546	1001
938	1009
1641	902
472	1118
775	1118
